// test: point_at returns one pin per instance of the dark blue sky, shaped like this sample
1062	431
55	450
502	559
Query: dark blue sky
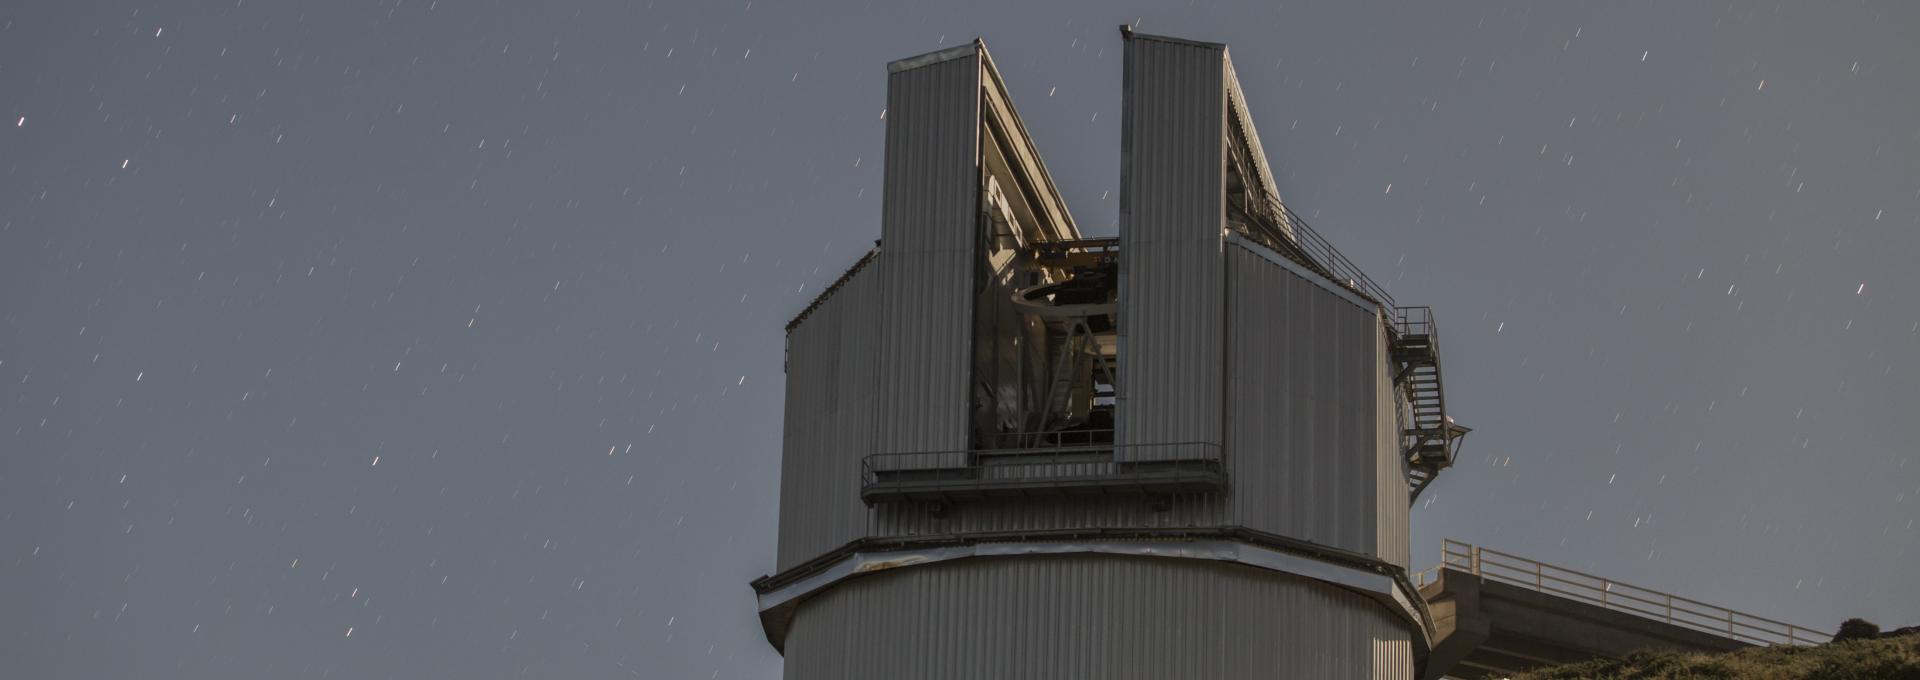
442	339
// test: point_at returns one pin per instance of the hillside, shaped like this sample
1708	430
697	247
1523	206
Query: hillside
1888	658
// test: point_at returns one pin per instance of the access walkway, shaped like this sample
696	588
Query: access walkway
1496	614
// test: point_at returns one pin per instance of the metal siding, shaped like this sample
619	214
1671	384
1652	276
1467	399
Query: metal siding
883	364
829	421
1391	471
1302	376
1172	209
1237	100
928	228
1036	514
1088	616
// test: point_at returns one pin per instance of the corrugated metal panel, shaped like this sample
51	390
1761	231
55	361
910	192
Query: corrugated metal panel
928	228
1391	466
1036	514
1302	371
883	365
829	420
1087	616
1237	103
1172	209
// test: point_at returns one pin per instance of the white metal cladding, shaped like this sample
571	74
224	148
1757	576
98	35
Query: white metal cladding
1172	210
1093	616
1302	376
829	420
1390	463
928	229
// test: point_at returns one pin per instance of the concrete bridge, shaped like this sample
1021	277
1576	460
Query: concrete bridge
1496	614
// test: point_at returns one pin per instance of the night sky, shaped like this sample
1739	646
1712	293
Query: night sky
442	339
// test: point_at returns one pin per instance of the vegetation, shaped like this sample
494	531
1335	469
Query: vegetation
1890	657
1857	629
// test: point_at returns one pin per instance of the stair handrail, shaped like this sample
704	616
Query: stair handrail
1419	321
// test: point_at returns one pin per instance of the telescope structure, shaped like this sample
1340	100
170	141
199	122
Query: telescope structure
1014	451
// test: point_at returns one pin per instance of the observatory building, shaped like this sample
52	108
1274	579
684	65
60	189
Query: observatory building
1012	451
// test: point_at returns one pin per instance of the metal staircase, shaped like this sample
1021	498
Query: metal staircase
1430	439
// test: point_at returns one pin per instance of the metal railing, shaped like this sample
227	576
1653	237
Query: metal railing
1644	602
1088	465
1297	239
1336	265
1417	321
1095	246
1015	442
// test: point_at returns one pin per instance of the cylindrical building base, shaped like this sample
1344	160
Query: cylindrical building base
1093	616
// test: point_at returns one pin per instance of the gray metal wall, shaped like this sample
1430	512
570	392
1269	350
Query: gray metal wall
1391	464
1302	375
1048	513
1292	381
1172	208
829	420
1093	616
1312	444
929	224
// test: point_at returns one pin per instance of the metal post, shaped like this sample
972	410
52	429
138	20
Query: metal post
1669	607
1476	560
1730	623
